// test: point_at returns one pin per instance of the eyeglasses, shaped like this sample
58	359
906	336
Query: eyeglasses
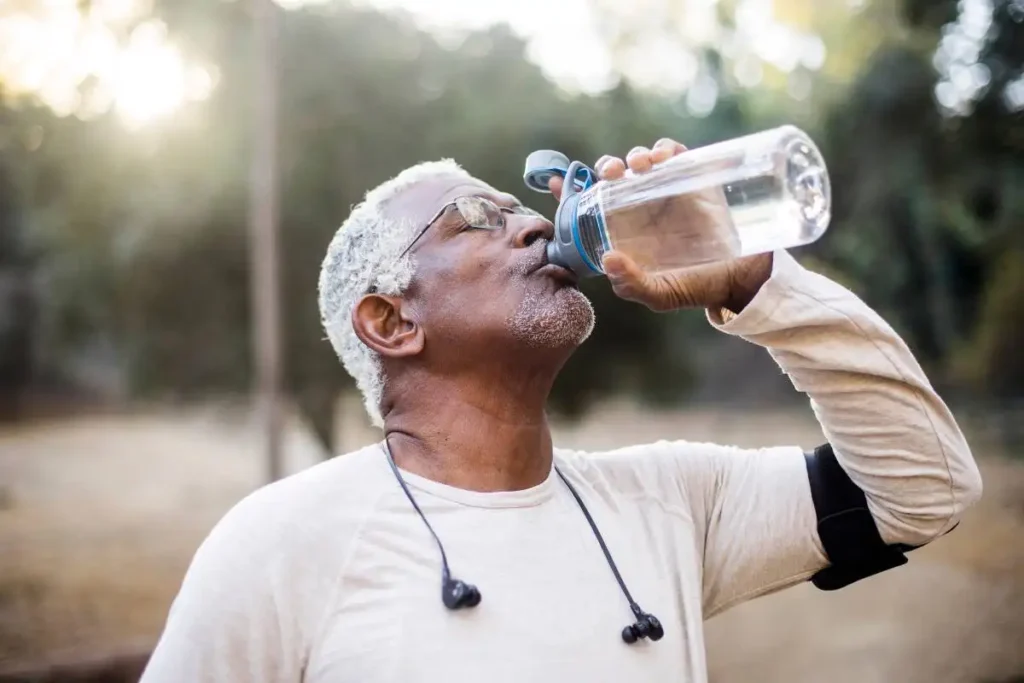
479	213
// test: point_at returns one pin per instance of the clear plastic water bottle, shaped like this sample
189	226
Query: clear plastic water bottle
749	195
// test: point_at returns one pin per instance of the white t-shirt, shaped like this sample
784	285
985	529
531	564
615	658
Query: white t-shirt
329	576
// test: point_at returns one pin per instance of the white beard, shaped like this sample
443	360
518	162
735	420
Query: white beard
564	320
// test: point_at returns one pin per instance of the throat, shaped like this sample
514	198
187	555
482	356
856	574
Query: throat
460	445
476	423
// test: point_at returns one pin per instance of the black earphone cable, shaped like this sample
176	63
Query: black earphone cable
408	494
457	594
604	548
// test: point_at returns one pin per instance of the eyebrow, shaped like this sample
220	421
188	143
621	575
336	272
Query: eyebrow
499	199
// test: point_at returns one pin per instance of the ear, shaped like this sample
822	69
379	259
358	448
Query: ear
380	324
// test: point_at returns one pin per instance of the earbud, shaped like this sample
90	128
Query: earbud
647	626
458	594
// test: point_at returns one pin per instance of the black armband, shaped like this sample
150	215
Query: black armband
847	530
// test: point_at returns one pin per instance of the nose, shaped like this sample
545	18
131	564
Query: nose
532	229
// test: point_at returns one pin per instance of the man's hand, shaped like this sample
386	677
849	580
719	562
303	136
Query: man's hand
727	284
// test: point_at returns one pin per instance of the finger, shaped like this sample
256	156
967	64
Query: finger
639	160
555	184
613	168
664	149
605	158
619	266
625	276
669	143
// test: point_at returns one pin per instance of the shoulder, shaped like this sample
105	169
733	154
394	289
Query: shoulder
343	483
261	583
290	520
662	468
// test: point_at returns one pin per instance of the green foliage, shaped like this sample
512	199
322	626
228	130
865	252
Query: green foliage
992	363
16	304
926	204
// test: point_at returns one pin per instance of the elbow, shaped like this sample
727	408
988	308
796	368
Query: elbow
966	484
954	485
965	488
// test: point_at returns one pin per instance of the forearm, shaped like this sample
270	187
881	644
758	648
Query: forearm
891	432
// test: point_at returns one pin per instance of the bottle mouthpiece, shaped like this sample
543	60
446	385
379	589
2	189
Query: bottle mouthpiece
555	255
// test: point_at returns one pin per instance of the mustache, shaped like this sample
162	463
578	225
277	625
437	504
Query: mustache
532	258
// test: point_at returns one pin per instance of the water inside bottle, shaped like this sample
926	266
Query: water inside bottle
701	211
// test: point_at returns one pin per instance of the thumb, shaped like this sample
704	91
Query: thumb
555	184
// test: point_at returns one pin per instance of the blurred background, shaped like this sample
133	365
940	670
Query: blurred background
172	171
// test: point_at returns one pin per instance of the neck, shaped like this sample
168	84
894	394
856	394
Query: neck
479	433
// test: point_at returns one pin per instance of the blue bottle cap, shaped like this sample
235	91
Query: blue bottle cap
541	166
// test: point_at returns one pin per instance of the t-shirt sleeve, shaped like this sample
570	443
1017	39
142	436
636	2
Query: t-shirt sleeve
752	515
754	512
237	614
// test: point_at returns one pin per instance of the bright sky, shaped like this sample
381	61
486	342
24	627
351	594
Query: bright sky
565	40
555	30
663	56
49	48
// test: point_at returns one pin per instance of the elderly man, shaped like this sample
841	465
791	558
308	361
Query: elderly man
438	298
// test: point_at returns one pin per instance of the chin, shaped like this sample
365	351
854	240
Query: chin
562	321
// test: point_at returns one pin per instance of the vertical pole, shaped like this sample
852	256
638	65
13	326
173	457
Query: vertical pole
265	287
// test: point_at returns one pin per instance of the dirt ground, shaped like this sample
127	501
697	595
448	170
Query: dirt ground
99	518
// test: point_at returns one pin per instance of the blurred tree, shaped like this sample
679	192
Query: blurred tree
17	323
143	232
784	54
926	158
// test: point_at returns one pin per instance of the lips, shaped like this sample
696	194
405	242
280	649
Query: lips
557	272
541	266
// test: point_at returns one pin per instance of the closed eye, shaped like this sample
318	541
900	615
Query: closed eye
521	210
464	226
453	221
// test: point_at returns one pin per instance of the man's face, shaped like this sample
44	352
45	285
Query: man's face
479	290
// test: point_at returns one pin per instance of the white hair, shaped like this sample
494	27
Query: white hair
364	255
